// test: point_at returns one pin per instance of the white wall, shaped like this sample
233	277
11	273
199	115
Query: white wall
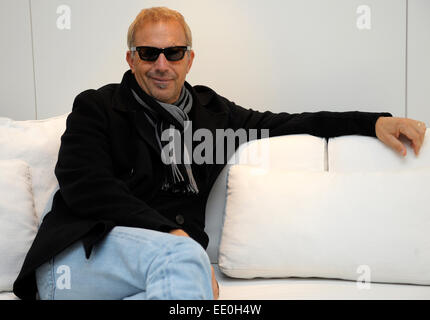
418	99
279	55
17	98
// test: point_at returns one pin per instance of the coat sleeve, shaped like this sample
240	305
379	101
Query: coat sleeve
322	124
85	171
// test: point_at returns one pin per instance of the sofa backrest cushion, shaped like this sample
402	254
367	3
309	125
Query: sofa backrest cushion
18	221
343	225
358	153
37	143
292	152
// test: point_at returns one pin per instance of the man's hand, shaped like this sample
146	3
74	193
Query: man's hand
389	129
215	287
179	232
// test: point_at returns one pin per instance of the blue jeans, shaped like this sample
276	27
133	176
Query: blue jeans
129	263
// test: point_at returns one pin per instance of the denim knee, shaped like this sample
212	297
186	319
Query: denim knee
190	250
181	270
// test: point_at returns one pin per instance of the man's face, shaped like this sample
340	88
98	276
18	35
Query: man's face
161	79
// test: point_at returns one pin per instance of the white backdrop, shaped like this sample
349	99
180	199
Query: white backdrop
279	55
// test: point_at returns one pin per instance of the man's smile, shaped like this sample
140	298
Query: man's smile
160	79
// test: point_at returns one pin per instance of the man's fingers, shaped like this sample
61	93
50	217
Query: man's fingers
412	132
215	286
394	143
417	147
421	127
415	132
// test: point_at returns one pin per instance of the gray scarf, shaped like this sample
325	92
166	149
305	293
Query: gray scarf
179	111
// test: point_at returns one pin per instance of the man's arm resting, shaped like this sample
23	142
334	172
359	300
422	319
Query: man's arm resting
332	124
325	124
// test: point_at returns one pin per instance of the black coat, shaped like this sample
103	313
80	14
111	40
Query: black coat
109	169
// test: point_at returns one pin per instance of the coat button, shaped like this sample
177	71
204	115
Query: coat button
180	219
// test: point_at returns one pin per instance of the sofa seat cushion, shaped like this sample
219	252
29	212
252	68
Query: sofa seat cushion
352	225
8	295
314	289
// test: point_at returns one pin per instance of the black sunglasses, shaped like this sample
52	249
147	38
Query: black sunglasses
152	53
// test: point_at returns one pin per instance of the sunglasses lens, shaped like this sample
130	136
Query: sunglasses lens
151	53
174	53
148	53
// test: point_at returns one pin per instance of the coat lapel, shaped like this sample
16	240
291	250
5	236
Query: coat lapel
145	129
124	102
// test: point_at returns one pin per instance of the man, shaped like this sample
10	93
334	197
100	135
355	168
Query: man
125	223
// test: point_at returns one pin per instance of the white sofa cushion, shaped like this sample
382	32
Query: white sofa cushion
293	152
36	142
18	221
357	153
281	223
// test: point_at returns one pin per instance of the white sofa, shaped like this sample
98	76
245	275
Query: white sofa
291	217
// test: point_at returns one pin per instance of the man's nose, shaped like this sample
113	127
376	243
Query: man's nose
161	63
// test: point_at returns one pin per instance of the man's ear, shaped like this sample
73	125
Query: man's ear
130	60
190	61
